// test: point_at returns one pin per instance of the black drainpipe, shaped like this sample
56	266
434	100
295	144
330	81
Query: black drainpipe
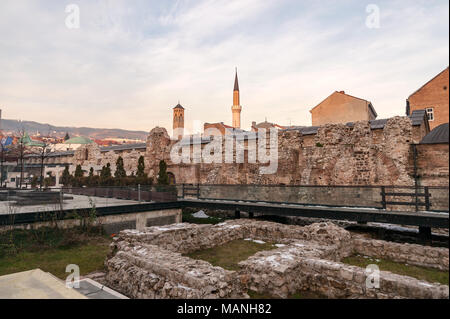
416	183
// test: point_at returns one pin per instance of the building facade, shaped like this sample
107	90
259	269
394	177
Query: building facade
434	98
342	108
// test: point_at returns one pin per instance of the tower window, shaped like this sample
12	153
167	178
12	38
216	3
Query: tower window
430	113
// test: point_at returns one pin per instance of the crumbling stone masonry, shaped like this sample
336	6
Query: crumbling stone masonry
149	263
336	154
364	153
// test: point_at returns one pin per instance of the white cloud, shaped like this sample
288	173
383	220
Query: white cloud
129	64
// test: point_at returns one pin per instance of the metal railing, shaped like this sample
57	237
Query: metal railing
414	198
377	197
34	200
435	198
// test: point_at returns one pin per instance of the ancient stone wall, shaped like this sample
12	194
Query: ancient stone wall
185	238
338	280
432	163
149	264
337	155
307	195
91	156
285	272
148	272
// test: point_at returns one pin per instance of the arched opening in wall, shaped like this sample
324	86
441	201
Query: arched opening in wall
86	154
172	180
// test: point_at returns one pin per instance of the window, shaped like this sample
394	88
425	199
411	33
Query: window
430	113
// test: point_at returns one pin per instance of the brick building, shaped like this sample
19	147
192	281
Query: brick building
432	97
341	108
432	157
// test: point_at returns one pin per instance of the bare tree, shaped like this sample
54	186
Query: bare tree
2	160
21	149
43	153
2	150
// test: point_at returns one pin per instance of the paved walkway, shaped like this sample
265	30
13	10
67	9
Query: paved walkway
78	201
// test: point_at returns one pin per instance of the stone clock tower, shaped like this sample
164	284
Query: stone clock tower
178	122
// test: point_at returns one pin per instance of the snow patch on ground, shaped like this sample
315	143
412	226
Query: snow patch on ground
200	214
233	226
169	227
255	240
259	241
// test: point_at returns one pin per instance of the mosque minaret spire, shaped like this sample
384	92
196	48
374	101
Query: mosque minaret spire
236	108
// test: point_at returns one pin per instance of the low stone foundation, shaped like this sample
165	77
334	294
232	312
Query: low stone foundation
148	263
412	254
148	271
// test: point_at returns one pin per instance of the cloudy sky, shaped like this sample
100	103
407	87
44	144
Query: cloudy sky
131	61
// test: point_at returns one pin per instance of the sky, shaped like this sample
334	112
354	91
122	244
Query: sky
130	62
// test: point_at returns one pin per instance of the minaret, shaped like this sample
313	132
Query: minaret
236	108
178	121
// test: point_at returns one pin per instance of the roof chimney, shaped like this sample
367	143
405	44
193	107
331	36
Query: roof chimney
343	92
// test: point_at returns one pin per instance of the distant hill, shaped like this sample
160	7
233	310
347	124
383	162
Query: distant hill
60	131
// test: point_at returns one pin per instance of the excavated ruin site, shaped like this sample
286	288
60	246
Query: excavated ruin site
152	263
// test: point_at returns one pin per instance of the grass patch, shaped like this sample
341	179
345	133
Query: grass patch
188	218
51	250
229	255
422	273
88	257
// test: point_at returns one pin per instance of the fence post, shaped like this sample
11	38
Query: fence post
61	197
427	198
139	193
416	202
183	189
383	197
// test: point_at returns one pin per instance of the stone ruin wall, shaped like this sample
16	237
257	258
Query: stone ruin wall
150	264
432	162
336	155
98	159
